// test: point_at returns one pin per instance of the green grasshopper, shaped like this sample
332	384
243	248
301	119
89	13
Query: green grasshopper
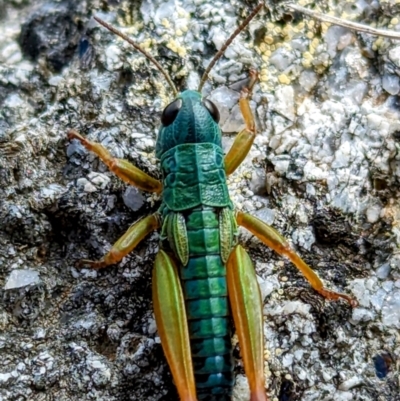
202	275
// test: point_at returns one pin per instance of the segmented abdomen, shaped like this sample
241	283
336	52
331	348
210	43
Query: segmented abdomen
205	290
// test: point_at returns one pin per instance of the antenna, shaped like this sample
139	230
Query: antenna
141	50
226	44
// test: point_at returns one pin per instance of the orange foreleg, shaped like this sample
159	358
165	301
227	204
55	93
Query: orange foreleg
244	140
122	168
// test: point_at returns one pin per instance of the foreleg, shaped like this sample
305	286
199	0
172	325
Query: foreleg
122	168
244	140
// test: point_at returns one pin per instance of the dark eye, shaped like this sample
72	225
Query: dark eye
170	112
212	108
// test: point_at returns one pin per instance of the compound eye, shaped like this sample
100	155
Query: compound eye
212	109
170	112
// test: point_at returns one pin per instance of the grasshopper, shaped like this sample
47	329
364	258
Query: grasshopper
202	276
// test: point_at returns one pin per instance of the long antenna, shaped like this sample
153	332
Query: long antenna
141	50
226	44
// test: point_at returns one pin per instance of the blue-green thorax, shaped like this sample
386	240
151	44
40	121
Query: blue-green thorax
192	124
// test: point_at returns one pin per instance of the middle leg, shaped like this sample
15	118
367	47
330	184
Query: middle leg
135	233
270	237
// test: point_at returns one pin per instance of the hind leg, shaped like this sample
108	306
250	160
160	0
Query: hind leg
245	298
170	313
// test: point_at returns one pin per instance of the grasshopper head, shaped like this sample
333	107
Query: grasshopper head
188	119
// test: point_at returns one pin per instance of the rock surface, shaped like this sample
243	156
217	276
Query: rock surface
324	171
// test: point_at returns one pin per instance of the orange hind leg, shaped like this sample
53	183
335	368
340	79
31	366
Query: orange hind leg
170	313
246	304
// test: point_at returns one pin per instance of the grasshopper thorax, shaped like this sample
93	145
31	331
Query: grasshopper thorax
189	119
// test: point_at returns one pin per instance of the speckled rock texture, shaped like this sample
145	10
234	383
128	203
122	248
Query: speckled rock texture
324	171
